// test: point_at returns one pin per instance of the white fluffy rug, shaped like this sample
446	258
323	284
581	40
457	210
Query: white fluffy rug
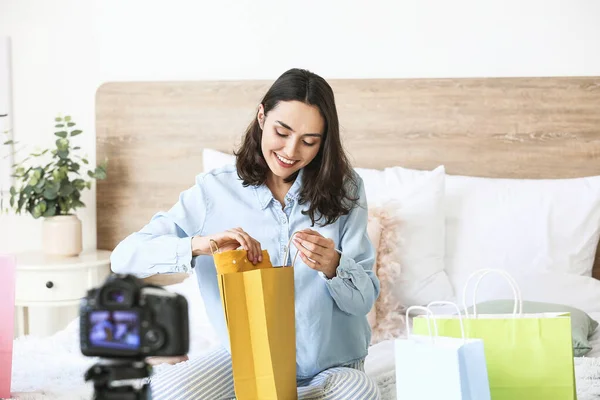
52	368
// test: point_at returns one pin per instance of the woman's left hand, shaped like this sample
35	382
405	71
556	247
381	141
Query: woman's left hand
317	251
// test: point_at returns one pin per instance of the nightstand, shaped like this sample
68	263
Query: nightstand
50	282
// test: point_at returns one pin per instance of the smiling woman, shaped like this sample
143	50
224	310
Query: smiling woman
291	178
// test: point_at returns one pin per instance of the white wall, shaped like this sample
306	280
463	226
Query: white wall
63	50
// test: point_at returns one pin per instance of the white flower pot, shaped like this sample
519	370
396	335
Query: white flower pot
61	235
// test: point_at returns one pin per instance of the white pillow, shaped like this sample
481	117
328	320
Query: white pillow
213	159
416	200
521	225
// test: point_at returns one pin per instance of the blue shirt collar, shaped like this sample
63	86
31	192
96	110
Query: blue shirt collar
265	196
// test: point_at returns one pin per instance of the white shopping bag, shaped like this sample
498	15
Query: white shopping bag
435	367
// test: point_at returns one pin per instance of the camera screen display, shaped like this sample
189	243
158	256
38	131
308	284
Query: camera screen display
114	329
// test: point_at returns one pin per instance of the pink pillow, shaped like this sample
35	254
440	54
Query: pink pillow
386	320
374	232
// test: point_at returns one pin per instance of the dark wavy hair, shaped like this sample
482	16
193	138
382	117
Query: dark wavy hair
329	184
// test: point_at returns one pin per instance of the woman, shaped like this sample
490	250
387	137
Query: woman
291	174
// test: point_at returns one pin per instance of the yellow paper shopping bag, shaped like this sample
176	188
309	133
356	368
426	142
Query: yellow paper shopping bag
528	356
258	301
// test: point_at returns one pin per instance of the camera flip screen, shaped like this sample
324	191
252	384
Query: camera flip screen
114	329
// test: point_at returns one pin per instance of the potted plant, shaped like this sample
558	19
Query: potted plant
49	185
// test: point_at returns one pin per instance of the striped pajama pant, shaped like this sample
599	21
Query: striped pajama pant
210	378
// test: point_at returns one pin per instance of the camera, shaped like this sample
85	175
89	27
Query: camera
123	322
126	319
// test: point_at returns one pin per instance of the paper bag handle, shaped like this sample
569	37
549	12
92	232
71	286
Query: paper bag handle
287	251
460	319
428	312
518	306
212	242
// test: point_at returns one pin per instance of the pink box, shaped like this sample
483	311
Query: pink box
7	315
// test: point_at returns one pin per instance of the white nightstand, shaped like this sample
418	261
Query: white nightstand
50	281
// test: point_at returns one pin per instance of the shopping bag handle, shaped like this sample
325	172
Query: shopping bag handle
287	250
428	312
460	319
518	305
212	242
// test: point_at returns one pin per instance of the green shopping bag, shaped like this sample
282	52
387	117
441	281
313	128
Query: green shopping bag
528	356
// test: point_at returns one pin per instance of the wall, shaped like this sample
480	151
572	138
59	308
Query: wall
64	49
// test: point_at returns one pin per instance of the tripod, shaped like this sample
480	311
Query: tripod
120	379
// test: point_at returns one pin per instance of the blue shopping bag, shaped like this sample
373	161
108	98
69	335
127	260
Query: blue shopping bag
436	367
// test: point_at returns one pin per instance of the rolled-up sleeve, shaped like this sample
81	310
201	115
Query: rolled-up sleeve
164	244
355	287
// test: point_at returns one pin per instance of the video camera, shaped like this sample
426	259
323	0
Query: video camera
123	322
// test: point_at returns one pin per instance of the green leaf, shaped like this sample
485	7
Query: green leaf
41	183
66	188
9	142
50	210
76	148
79	184
88	184
63	153
38	172
68	118
50	193
59	125
76	132
100	173
85	161
21	202
70	124
77	204
37	211
13	191
74	167
33	181
63	206
62	134
58	119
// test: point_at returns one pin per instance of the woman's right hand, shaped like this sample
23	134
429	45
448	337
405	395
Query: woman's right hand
231	239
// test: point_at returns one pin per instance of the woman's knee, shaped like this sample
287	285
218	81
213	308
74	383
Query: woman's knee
351	384
208	377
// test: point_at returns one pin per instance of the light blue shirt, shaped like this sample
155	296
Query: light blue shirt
331	323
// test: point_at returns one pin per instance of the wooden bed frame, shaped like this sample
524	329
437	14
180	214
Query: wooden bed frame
153	133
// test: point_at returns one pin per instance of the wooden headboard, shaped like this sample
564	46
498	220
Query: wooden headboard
153	133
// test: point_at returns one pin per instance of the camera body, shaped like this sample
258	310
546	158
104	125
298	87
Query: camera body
124	318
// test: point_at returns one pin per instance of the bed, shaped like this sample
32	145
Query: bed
451	141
